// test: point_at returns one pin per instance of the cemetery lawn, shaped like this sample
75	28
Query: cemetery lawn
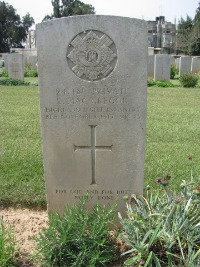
31	79
21	167
173	135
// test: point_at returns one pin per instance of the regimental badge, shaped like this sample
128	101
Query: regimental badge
92	55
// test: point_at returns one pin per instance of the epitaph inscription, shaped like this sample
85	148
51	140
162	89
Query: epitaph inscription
92	55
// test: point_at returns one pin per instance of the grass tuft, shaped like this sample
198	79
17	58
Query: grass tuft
7	246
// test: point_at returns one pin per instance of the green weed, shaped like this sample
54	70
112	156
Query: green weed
12	82
173	71
160	83
189	80
77	238
7	246
4	73
163	229
30	72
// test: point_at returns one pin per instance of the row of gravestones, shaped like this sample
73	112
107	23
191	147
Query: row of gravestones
159	66
14	63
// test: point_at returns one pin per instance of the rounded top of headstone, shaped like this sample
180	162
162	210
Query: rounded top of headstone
92	55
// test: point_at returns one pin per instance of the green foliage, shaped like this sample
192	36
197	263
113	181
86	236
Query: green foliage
77	238
159	83
188	34
13	29
65	8
27	22
197	16
185	35
195	47
33	81
11	82
185	23
30	72
4	73
189	80
162	229
7	246
173	71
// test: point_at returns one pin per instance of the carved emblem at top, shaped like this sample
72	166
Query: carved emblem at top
92	55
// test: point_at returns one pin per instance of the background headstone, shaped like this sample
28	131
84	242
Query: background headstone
15	66
150	66
185	65
32	61
6	62
195	65
1	63
150	51
177	62
162	67
93	107
173	60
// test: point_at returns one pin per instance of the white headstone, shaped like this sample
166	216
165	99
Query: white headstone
1	62
6	62
177	62
185	65
93	107
173	61
150	51
195	66
15	66
150	67
162	67
32	61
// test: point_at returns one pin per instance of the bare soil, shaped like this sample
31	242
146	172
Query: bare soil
26	224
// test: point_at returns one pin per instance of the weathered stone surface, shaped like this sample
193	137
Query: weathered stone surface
178	62
162	67
6	61
173	60
150	67
195	66
151	51
93	107
185	65
32	61
15	66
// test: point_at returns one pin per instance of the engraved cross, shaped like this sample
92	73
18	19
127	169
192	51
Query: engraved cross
93	149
